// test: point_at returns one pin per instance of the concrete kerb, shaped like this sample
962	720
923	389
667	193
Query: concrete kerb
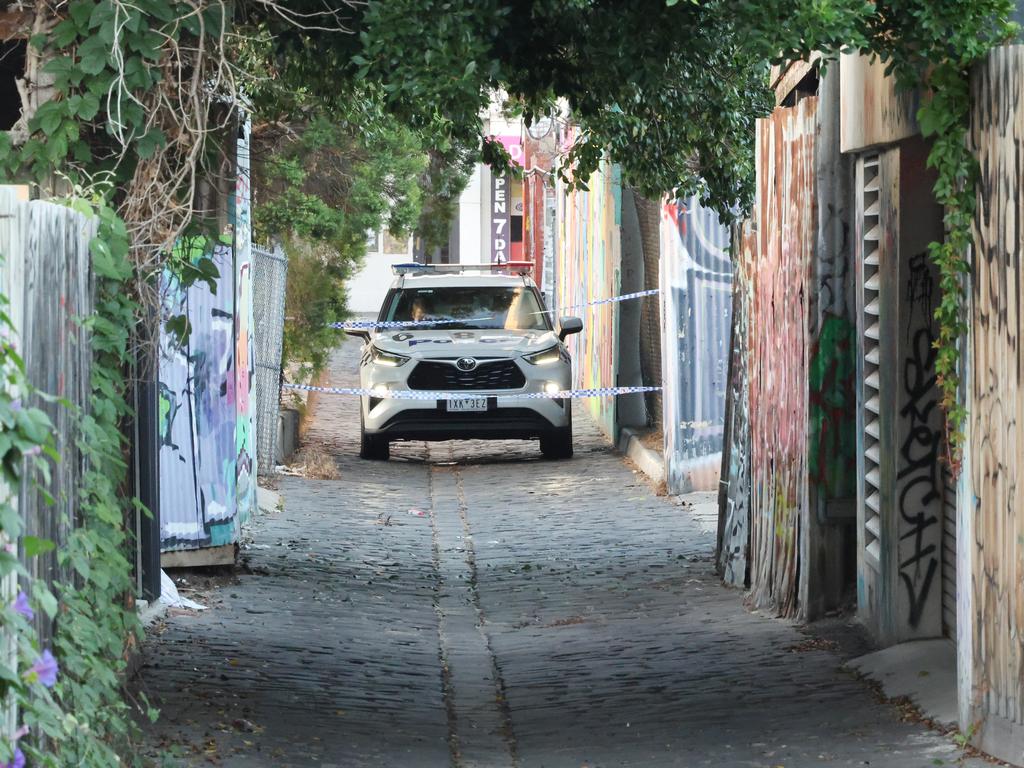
150	611
922	670
268	501
650	462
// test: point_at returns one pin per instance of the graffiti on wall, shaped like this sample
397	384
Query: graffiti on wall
734	546
783	247
695	280
919	471
198	452
832	449
588	268
245	363
990	601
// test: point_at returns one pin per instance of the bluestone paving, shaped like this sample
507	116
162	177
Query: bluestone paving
535	615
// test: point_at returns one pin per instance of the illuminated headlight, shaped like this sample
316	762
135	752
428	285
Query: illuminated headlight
387	359
552	388
380	391
546	356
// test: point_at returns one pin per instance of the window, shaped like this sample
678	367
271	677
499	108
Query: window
471	307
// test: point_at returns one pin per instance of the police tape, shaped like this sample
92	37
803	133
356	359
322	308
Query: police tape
354	324
408	394
368	324
596	302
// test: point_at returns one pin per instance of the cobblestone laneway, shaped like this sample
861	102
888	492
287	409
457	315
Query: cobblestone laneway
537	614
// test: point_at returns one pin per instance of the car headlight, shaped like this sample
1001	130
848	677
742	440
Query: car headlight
388	359
547	356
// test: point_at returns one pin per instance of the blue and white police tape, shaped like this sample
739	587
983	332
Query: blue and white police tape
408	394
368	324
354	324
596	302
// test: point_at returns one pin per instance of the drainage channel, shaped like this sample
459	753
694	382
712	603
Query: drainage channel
479	729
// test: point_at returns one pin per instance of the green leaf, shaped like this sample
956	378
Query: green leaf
89	106
44	597
153	140
179	327
94	55
80	11
36	546
48	117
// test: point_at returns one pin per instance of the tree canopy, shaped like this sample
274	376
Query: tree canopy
669	88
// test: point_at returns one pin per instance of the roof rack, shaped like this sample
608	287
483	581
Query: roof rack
509	267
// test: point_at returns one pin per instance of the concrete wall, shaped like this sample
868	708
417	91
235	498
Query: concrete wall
471	221
367	288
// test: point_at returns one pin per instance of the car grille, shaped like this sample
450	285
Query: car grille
445	377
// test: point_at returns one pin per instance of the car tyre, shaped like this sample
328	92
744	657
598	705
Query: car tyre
373	447
557	444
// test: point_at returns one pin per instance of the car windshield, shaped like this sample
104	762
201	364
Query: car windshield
513	308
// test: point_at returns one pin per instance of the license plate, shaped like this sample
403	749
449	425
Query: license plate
462	404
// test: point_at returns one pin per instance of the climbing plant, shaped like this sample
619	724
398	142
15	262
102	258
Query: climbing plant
69	696
116	123
933	46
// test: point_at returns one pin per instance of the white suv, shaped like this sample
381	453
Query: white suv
473	339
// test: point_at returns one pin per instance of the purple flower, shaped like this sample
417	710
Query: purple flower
35	450
21	606
17	762
16	404
44	670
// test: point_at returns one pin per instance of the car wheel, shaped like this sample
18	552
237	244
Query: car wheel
557	444
372	447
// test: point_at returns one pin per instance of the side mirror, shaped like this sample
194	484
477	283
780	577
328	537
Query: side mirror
569	325
359	333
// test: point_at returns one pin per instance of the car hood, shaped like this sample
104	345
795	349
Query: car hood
464	343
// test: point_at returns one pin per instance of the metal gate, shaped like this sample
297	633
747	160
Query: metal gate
270	273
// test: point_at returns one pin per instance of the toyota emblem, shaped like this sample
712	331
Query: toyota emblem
465	364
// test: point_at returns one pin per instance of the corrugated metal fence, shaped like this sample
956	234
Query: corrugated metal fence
696	300
270	275
198	412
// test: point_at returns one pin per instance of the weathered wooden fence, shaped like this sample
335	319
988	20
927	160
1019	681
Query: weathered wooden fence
990	617
46	275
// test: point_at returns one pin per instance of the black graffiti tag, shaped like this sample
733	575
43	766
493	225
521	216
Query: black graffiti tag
919	288
920	469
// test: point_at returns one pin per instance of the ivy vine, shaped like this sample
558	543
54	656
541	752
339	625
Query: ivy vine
102	128
69	697
933	47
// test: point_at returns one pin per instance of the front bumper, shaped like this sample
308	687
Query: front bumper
506	417
496	423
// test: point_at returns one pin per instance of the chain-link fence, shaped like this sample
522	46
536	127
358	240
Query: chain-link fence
270	273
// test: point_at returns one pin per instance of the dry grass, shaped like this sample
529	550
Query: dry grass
315	463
